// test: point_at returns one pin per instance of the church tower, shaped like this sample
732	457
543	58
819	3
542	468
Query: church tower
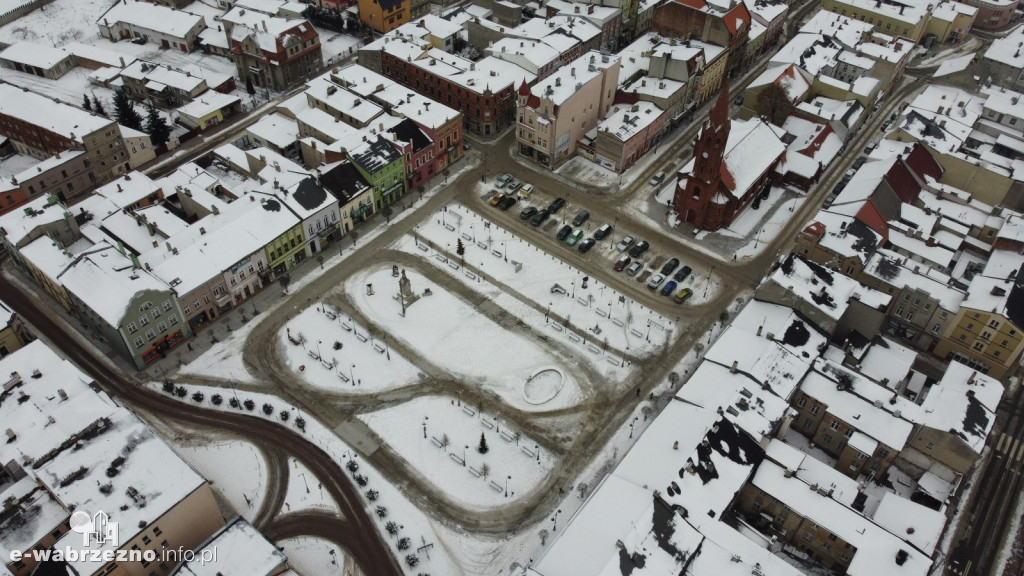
694	195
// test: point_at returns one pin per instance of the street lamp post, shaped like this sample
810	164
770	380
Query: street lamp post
303	474
425	418
631	424
554	520
708	283
465	449
318	343
506	485
352	373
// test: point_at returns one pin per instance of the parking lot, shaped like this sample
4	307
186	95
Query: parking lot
567	233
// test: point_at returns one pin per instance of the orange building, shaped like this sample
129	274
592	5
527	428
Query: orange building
384	15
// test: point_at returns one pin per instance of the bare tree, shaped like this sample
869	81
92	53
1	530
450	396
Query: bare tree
774	103
543	536
485	470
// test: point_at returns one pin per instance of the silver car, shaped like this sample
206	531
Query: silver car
625	243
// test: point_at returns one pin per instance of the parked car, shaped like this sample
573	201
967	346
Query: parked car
502	180
640	248
839	187
525	191
528	212
669	288
540	217
603	232
581	217
634	267
871	147
514	185
739	100
622	263
625	243
682	274
556	205
586	245
563	232
575	237
655	281
683	295
497	198
859	162
670	266
507	203
657	178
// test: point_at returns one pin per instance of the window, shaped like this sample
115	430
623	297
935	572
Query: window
146	539
162	327
834	425
936	328
802	401
196	304
814	409
132	329
172	320
899	312
807	536
910	316
145	306
156	313
979	346
906	297
157	532
187	310
167	305
143	320
883	453
970	326
138	342
827	439
150	335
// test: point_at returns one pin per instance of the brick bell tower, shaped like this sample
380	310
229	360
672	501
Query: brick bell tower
694	196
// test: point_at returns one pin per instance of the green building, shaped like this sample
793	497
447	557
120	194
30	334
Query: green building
383	165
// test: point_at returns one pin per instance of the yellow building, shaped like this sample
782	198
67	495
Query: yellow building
984	340
384	15
13	334
950	21
888	16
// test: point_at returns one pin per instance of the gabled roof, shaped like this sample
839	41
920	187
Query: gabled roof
408	131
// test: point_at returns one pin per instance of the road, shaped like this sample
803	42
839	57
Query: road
987	517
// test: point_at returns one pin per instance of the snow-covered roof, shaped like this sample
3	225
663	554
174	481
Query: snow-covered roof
106	281
276	129
794	81
919	525
811	52
1004	101
50	163
128	190
68	121
829	292
536	52
947	10
876	548
38	55
176	23
784	325
625	121
562	84
963	402
846	111
151	72
419	108
208	103
18	224
240	549
766	362
363	81
862	404
1007	48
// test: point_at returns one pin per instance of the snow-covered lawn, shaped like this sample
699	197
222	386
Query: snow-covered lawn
317	557
236	471
494	251
304	491
449	332
358	358
434	434
420	529
336	47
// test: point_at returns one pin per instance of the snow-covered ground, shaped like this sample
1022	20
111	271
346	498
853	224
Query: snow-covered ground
620	321
224	359
16	164
434	434
304	491
236	470
447	331
357	358
317	557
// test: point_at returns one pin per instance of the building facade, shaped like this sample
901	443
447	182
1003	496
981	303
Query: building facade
277	60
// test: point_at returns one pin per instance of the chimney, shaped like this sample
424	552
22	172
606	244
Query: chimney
277	166
63	395
202	230
735	366
264	25
215	209
119	189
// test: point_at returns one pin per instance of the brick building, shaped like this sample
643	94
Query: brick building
274	53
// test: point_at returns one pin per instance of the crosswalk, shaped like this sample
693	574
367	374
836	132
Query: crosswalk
1012	448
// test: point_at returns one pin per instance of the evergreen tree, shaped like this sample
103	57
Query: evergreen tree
249	88
482	446
124	111
97	106
460	249
157	128
86	103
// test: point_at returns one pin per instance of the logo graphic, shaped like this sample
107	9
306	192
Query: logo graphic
97	527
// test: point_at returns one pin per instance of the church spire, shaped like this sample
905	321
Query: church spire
719	116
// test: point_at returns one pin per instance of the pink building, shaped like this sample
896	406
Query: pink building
628	133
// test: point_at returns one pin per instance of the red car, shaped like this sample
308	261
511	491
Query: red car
621	263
